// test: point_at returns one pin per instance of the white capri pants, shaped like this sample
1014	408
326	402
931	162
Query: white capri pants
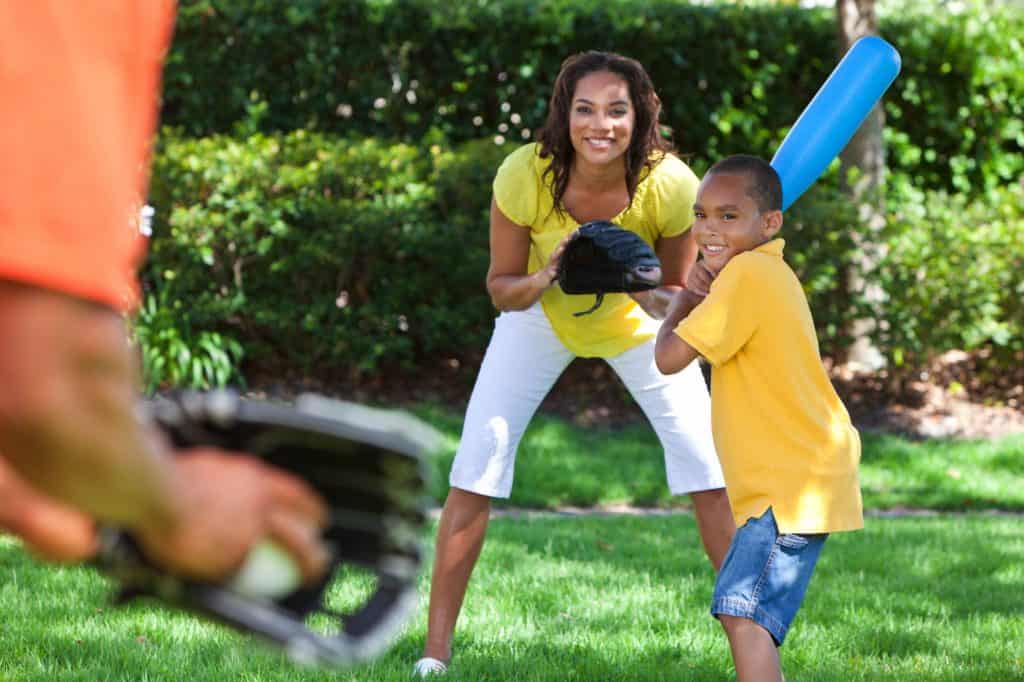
522	363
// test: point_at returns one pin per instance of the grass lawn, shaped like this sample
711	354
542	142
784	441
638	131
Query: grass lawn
559	464
616	598
595	598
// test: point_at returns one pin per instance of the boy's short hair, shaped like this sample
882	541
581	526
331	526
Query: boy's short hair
764	185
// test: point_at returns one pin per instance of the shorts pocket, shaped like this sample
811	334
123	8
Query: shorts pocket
793	541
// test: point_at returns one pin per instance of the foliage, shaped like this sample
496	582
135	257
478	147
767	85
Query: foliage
354	143
176	355
951	271
337	256
733	77
955	116
324	254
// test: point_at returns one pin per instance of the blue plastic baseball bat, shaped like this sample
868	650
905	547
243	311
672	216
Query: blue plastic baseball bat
834	114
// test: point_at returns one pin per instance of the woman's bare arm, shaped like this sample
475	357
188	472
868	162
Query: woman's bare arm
508	284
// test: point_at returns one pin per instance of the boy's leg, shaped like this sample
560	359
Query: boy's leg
714	522
753	650
522	362
679	409
759	591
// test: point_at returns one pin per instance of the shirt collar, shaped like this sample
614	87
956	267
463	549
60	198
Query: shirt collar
773	247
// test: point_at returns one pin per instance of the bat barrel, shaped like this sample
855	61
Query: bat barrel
834	114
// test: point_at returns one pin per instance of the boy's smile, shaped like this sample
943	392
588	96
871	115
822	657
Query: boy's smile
728	220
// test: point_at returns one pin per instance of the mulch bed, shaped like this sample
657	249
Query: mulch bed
959	395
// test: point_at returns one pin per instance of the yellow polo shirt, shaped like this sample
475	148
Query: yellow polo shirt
662	207
783	435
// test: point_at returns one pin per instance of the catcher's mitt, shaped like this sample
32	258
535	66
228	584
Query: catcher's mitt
365	462
604	258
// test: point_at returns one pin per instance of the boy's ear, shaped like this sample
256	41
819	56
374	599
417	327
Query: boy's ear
771	223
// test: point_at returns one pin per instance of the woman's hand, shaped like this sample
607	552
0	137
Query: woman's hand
508	283
549	273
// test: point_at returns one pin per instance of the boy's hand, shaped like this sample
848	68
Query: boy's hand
700	278
684	301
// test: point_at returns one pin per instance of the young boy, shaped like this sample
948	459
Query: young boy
788	449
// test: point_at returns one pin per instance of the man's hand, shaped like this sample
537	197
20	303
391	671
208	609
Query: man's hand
50	529
228	502
239	476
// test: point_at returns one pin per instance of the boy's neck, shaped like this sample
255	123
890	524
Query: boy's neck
752	248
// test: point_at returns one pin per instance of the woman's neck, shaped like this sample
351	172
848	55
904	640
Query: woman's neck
597	178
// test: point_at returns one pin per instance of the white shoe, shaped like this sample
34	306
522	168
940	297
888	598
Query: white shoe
425	667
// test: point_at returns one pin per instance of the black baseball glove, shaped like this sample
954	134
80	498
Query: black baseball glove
604	258
365	462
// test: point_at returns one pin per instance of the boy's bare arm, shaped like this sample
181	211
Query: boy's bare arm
671	353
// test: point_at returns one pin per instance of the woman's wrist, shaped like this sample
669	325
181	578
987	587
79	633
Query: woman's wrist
544	280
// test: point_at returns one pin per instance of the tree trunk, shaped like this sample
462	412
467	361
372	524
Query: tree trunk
862	177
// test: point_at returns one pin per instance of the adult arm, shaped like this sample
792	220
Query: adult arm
67	409
677	255
70	431
508	284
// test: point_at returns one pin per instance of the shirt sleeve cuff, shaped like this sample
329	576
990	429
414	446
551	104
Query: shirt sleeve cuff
706	351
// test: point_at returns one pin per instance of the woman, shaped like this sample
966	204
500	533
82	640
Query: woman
599	157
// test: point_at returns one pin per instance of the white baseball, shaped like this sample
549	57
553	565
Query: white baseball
269	572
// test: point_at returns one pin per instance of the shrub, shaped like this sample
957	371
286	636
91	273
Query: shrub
323	254
175	355
332	256
951	272
732	77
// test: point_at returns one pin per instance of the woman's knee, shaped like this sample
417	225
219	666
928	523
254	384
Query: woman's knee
464	508
465	499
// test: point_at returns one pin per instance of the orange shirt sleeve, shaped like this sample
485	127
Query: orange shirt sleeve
80	85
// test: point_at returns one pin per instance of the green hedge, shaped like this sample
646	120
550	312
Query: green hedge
320	255
952	276
333	257
733	78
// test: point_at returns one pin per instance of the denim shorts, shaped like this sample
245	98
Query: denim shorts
765	574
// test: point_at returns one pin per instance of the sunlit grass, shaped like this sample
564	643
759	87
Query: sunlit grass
616	598
560	464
